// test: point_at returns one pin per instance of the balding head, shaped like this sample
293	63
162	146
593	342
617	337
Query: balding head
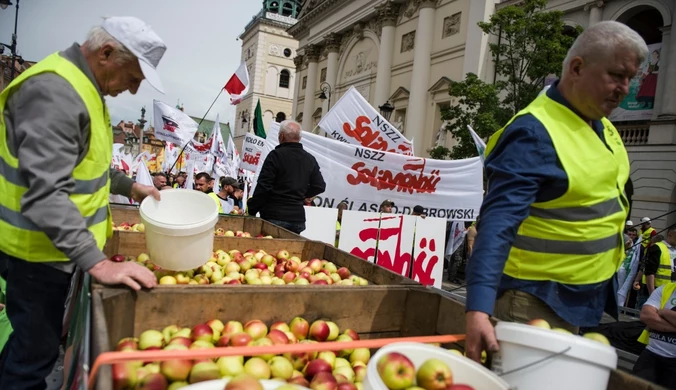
599	66
290	131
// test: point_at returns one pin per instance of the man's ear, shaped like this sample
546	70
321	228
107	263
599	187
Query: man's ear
105	53
576	67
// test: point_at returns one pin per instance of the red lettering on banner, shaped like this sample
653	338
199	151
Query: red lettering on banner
364	236
251	159
384	179
367	137
401	261
422	273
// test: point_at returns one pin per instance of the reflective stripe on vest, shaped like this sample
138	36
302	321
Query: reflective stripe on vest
666	294
576	238
663	274
21	238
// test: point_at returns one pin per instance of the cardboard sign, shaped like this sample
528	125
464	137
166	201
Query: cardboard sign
320	224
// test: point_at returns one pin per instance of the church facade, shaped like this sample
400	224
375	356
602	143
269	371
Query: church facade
268	50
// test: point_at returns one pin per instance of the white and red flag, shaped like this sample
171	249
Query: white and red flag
238	85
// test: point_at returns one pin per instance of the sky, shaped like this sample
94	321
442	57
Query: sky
201	38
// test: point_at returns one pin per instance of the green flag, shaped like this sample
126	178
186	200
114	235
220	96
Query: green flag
259	130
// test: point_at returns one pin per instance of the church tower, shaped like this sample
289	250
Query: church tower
269	53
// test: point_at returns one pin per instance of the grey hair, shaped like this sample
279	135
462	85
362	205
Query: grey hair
98	37
291	129
598	41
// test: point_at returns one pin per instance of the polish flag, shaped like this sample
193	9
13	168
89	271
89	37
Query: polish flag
238	85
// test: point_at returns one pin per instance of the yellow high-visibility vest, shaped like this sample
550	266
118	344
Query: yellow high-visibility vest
20	237
666	294
646	236
576	238
663	275
216	199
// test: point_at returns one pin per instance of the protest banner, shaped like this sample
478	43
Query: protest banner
252	149
353	120
173	125
449	189
407	245
320	224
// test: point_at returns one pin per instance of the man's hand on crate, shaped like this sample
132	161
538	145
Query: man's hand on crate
480	335
129	273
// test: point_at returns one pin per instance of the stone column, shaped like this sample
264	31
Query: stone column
667	76
312	56
595	9
422	58
387	15
298	61
332	44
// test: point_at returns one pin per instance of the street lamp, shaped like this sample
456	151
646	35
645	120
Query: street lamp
386	110
3	5
326	93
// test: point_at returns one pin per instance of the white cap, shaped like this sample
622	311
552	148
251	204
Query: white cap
645	219
142	41
629	223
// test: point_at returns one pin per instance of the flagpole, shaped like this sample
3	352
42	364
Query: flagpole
198	125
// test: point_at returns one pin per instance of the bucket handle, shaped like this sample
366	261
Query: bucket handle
536	362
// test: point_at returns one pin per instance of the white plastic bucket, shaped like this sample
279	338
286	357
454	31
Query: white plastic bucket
585	365
219	384
180	228
465	371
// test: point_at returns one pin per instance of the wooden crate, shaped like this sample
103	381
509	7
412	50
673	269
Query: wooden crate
133	243
394	311
253	225
373	312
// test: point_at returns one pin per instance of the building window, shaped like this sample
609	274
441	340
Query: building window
322	76
408	42
287	9
287	52
284	77
304	82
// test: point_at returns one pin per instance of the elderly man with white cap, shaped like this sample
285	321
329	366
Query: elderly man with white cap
55	178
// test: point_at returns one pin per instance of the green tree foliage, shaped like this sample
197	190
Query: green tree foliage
528	45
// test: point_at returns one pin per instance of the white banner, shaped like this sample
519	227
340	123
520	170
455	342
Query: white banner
218	148
320	224
200	155
140	159
353	120
455	237
173	125
407	245
449	189
252	149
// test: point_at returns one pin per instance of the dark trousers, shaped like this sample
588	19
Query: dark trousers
36	295
656	369
296	227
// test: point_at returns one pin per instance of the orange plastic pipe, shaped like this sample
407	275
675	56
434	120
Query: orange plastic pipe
193	354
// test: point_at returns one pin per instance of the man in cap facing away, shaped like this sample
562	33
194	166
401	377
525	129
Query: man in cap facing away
55	178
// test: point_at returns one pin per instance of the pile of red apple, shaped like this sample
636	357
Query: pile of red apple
254	267
220	232
137	227
398	373
598	337
343	370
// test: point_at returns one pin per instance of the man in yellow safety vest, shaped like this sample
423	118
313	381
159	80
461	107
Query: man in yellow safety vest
55	179
657	362
552	221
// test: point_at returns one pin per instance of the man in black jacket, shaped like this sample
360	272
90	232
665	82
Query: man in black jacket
289	176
